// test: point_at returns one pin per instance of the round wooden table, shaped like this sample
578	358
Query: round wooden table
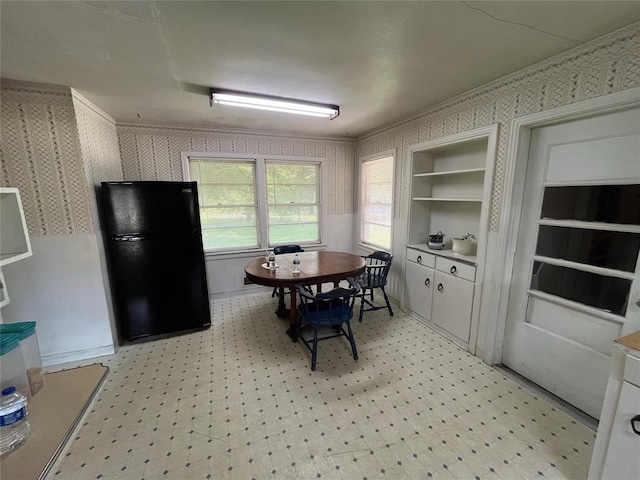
315	268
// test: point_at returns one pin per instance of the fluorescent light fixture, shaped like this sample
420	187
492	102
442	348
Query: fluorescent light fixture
274	104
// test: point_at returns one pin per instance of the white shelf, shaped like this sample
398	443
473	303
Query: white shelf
450	172
443	199
15	243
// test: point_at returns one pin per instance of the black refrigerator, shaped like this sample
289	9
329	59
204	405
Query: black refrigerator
155	257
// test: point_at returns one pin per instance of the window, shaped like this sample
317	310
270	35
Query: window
293	200
255	203
376	202
228	204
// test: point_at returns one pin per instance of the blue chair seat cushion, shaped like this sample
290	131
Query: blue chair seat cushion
326	313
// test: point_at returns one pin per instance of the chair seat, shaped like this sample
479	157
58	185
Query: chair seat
325	313
371	281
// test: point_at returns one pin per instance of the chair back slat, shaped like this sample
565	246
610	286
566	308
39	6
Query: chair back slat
282	249
376	270
374	276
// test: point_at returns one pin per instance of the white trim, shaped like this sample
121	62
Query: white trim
584	267
514	178
64	357
260	162
361	161
605	227
16	216
578	307
469	135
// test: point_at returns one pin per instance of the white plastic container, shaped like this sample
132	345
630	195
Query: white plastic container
14	426
13	372
30	352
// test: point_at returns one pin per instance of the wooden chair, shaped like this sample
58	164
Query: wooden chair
329	309
281	250
374	276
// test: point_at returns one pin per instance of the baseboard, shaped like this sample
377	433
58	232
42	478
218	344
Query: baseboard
64	357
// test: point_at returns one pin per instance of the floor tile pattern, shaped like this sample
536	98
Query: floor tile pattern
240	401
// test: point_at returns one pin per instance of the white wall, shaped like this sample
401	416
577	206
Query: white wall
61	288
55	147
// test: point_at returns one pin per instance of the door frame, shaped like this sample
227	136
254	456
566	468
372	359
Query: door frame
511	205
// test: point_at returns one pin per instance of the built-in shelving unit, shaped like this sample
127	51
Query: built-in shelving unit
15	244
451	183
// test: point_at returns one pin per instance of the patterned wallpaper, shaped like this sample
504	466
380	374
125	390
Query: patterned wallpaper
152	152
40	155
55	146
606	65
99	148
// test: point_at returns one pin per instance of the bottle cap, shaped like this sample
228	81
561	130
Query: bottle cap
8	390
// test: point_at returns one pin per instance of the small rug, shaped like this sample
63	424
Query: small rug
54	412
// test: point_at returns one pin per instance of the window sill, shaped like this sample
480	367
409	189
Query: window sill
370	248
256	252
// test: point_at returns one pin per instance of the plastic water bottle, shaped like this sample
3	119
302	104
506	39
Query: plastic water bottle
14	427
296	263
272	260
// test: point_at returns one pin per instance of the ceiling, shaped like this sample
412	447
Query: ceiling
154	62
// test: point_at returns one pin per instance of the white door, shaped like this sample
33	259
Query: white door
575	276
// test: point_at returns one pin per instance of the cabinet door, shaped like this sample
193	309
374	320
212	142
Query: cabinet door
452	303
419	282
622	459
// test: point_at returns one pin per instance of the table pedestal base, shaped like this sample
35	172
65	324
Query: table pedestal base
284	312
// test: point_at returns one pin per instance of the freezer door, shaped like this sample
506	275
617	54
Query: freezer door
159	285
150	208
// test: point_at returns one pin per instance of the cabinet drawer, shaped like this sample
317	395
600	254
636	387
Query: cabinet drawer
422	258
457	269
632	370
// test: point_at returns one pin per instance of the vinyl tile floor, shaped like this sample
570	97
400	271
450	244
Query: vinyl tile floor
239	401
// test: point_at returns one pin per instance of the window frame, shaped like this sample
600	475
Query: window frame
260	165
362	193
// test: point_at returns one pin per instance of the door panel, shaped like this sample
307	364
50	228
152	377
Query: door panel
452	304
575	273
419	289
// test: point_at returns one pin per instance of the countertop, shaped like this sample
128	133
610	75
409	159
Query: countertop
632	340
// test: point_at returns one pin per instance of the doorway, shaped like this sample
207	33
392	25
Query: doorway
575	278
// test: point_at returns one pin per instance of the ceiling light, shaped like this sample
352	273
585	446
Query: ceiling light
274	104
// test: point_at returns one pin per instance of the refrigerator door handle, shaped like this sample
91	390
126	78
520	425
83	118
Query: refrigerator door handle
127	238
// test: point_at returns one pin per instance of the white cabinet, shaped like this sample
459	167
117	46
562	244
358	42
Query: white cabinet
15	243
452	305
14	238
419	288
451	181
616	454
440	290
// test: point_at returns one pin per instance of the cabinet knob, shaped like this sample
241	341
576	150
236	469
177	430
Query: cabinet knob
427	282
419	259
635	420
440	287
453	270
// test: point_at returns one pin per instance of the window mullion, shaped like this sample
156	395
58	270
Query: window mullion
261	195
